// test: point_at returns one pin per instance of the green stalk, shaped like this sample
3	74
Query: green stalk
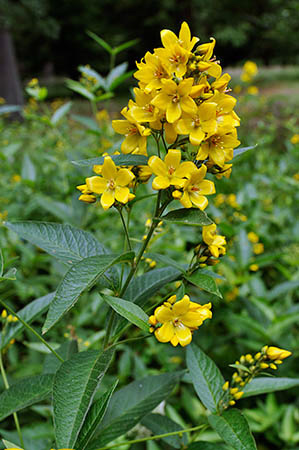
152	438
125	228
26	325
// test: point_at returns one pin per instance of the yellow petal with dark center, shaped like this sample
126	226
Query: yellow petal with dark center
158	166
107	199
183	334
96	184
163	314
122	194
165	333
181	307
124	177
109	169
160	183
173	158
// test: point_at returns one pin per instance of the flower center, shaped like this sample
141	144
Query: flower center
196	122
175	98
132	131
111	184
159	73
171	170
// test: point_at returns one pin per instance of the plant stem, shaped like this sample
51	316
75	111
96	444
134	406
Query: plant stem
124	341
125	228
15	416
152	438
26	325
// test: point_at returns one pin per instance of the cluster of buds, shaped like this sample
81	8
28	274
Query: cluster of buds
248	367
212	247
8	317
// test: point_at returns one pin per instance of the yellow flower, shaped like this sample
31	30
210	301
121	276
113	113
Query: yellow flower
151	72
277	353
179	319
199	124
174	98
142	110
294	139
249	71
253	90
16	178
254	267
253	237
175	58
135	133
196	188
258	248
184	40
216	243
170	171
218	148
112	185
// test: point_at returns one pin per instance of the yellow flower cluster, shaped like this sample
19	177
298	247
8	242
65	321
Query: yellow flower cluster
250	70
175	321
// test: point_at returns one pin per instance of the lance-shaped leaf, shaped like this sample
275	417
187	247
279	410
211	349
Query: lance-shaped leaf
25	393
234	429
79	278
119	160
130	404
67	243
166	260
205	282
75	384
159	424
133	313
60	112
187	216
93	418
264	385
28	314
66	351
241	150
206	377
10	445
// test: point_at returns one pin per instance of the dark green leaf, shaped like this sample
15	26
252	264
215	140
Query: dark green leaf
129	311
100	41
119	160
206	377
187	216
204	445
66	351
74	386
264	384
93	418
205	282
80	278
131	403
234	429
159	424
28	314
67	243
25	393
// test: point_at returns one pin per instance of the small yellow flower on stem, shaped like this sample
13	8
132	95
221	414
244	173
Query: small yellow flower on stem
199	124
215	242
135	133
179	319
196	188
277	353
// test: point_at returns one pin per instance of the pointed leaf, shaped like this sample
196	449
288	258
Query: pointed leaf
28	169
130	404
67	243
75	384
9	275
119	160
80	278
29	313
60	112
10	445
66	351
125	45
129	311
264	385
166	260
187	216
117	81
93	418
87	122
206	377
79	88
240	151
159	424
25	393
205	282
100	41
116	72
94	74
234	429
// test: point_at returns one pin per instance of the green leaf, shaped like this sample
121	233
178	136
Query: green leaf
264	385
79	88
282	288
234	429
65	242
187	216
205	282
1	263
25	393
7	109
205	445
60	112
206	377
166	260
159	424
115	73
28	169
125	45
100	41
130	404
117	81
119	160
9	275
93	418
87	122
129	311
243	248
66	351
94	74
240	366
241	150
29	313
74	386
78	279
10	445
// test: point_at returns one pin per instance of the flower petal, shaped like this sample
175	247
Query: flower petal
165	333
173	112
197	136
185	200
122	194
181	307
183	334
188	105
199	200
96	184
107	199
207	187
168	38
160	183
158	166
173	158
163	314
109	169
124	177
130	143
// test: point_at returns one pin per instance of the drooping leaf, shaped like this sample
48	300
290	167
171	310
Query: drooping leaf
60	112
74	386
206	377
234	429
241	150
264	385
130	404
119	160
66	351
159	424
205	282
187	216
93	418
25	393
130	311
80	278
28	314
65	242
